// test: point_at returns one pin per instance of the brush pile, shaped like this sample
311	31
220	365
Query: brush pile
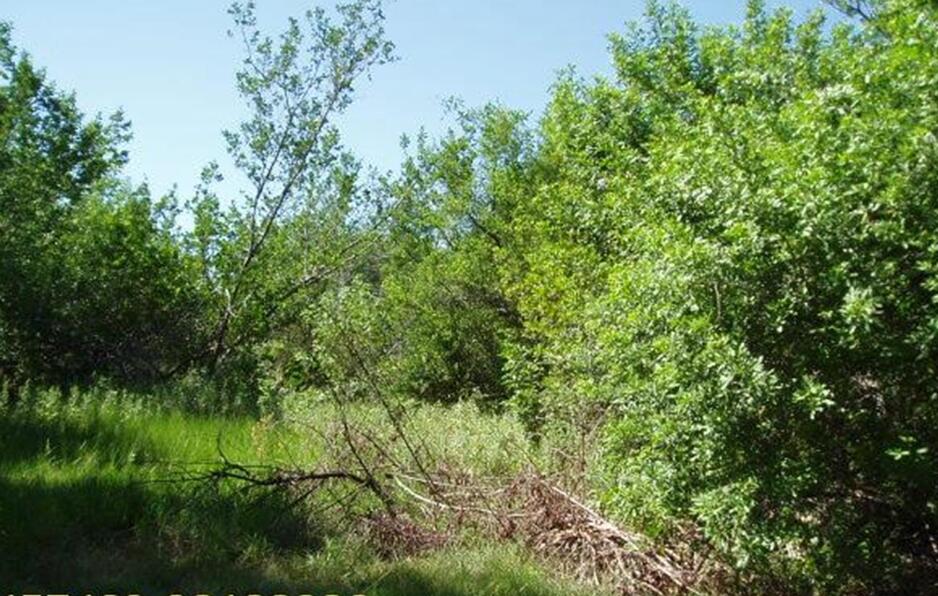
560	528
396	536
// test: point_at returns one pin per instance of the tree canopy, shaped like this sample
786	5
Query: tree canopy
715	271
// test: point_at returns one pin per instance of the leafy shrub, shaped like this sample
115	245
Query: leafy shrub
92	279
731	253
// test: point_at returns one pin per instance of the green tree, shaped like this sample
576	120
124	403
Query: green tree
90	282
729	271
430	310
293	228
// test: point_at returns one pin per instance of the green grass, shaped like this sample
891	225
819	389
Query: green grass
85	506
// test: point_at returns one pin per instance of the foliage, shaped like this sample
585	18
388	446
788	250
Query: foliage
711	279
731	255
92	280
422	310
268	250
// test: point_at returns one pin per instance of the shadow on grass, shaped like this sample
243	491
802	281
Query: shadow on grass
27	436
79	512
79	515
94	537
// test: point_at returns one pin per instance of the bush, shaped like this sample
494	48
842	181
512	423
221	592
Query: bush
732	255
92	280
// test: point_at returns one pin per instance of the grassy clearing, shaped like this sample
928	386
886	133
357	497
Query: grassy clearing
84	506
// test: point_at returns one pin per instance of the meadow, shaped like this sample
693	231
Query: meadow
98	496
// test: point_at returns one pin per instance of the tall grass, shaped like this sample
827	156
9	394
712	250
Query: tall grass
93	496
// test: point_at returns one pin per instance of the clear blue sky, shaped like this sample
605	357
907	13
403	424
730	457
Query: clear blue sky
170	65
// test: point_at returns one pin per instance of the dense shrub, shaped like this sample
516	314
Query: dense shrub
92	279
733	256
424	312
428	331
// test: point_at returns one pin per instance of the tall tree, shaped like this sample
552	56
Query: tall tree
50	157
92	279
284	232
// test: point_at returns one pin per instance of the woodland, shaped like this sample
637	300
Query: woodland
674	333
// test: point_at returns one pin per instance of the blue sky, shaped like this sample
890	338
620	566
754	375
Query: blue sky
170	65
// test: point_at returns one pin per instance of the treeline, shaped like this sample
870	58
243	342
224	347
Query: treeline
715	271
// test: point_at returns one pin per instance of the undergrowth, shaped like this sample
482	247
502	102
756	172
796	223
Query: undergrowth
102	490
